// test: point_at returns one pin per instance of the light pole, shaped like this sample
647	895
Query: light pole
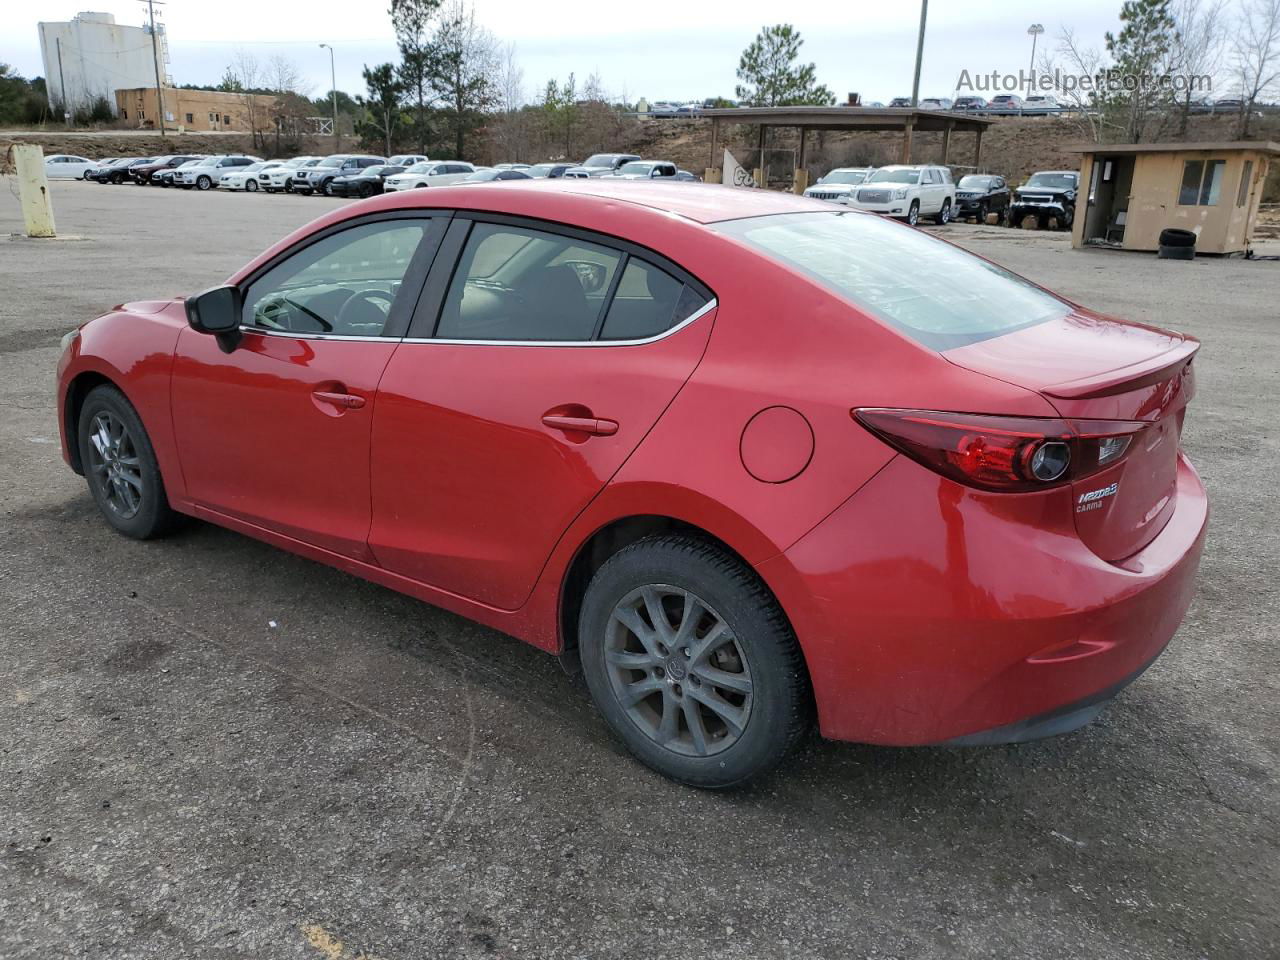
1034	32
915	84
333	78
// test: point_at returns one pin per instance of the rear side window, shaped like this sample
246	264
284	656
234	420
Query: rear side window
958	299
648	302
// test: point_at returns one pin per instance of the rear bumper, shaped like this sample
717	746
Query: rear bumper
932	613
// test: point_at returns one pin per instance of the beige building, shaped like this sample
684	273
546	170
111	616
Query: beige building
1131	192
197	110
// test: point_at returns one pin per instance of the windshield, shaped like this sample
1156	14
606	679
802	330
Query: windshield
421	168
480	175
331	162
1053	181
960	299
894	176
541	169
190	163
844	176
641	168
600	160
972	182
251	168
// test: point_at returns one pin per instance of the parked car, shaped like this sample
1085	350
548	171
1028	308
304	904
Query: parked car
908	192
117	172
436	173
979	194
837	185
1228	105
930	575
492	174
205	174
1041	104
141	173
935	103
599	164
646	170
281	177
1005	104
406	160
1049	193
511	166
899	102
552	171
974	104
65	166
165	177
365	183
246	178
316	179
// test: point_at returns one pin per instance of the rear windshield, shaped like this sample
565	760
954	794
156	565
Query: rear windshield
935	293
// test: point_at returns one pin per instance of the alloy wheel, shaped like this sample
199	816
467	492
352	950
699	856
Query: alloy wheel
115	465
678	671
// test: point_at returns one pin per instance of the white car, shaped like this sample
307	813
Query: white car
434	173
206	174
838	185
406	159
64	166
281	177
908	193
246	178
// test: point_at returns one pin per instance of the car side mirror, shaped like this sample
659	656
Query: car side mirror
217	312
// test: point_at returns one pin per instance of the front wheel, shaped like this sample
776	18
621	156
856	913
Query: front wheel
913	214
203	183
982	212
121	467
692	662
251	186
944	215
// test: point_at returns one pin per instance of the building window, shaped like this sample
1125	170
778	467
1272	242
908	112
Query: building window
1245	179
1201	183
190	118
213	118
124	114
226	119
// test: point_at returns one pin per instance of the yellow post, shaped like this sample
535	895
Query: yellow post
711	175
801	182
758	176
33	189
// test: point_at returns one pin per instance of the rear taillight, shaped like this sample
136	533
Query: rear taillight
1009	454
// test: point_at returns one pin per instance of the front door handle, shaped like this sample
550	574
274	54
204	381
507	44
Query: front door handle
346	401
593	426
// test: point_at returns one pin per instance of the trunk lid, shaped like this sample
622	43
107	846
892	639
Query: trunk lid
1094	368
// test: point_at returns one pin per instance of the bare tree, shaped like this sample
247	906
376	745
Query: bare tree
1198	49
1255	55
246	72
1078	61
283	76
511	127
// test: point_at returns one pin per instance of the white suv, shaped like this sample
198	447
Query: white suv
431	174
838	185
908	192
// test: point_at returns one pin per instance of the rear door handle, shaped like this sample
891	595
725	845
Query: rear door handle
593	426
347	401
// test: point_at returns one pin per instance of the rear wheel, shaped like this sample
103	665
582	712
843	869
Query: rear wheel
982	212
944	215
366	190
120	466
85	175
692	662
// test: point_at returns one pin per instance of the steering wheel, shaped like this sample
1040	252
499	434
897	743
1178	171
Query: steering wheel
375	305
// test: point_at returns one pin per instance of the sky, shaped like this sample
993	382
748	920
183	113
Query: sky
666	52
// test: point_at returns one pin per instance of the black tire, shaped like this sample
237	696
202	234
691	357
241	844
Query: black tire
913	213
1173	237
288	187
758	640
153	516
85	175
943	216
323	188
982	212
366	190
251	186
305	191
203	182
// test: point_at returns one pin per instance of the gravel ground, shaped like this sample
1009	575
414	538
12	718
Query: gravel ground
209	748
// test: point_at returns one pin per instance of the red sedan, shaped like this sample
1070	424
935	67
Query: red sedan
749	458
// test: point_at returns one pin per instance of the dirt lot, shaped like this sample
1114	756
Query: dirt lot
209	748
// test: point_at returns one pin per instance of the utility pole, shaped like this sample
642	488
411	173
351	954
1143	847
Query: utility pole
333	78
155	56
915	85
62	84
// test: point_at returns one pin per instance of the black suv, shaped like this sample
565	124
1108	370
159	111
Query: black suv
981	193
1049	193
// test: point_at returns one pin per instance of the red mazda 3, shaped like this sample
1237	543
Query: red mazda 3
747	458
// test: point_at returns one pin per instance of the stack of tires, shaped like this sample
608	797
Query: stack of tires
1177	244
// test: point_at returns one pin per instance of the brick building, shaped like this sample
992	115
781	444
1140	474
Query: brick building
197	110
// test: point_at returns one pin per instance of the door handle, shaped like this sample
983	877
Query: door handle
347	401
594	426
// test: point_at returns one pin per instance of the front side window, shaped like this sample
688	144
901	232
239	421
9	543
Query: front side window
960	299
514	283
342	285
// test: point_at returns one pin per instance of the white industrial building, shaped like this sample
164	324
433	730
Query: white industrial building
92	56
